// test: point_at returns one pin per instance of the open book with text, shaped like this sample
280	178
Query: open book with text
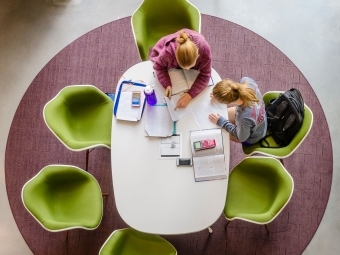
182	79
208	163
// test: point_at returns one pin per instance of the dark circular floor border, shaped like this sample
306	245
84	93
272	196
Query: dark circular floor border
99	58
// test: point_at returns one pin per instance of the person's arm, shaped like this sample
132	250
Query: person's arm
161	66
241	131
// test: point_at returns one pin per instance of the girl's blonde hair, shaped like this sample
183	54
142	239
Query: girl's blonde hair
228	91
186	51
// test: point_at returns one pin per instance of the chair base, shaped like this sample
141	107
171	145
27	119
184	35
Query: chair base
265	225
87	158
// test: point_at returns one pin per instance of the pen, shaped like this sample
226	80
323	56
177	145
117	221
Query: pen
153	74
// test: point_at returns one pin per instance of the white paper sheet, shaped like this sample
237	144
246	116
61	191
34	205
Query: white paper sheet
170	147
180	112
125	110
201	113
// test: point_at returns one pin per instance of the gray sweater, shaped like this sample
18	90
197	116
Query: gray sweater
250	122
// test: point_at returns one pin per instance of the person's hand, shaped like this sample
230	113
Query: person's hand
168	92
214	117
183	101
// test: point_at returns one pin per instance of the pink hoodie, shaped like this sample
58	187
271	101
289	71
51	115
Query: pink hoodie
164	58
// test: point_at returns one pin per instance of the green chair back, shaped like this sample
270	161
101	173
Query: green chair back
154	19
294	144
129	241
258	190
62	197
80	116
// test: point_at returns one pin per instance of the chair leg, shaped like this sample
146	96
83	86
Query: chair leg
87	159
66	236
210	230
226	225
281	160
265	225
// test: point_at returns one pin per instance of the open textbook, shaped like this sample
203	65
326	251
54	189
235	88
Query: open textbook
208	164
182	79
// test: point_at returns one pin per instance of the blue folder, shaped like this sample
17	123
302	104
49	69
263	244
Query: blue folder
120	89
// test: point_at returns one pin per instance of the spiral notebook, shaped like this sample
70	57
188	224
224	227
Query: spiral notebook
158	121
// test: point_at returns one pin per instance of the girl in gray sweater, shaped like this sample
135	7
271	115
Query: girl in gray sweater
247	122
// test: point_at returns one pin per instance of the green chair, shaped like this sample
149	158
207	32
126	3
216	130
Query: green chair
259	188
154	19
129	241
80	116
284	152
64	197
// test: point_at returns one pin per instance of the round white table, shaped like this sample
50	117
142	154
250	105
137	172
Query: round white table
154	195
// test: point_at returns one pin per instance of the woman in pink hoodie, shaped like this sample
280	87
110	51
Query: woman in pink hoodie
184	49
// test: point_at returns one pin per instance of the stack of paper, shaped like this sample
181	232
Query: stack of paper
180	112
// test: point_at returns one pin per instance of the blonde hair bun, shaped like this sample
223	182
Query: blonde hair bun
182	38
186	51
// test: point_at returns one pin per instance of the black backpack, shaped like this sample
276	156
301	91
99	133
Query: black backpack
285	116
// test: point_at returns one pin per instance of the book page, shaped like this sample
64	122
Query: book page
190	76
209	168
182	80
200	135
158	121
208	164
178	81
180	112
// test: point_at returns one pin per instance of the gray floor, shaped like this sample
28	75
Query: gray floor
307	31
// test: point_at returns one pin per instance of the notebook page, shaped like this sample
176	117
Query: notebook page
180	112
158	121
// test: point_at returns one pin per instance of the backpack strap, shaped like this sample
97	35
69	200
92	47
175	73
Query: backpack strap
265	144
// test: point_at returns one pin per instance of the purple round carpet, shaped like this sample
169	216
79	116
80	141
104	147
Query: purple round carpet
99	58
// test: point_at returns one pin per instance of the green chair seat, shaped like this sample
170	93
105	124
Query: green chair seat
258	189
62	197
129	241
154	19
80	116
294	144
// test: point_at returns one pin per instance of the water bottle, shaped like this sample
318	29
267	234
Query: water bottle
150	95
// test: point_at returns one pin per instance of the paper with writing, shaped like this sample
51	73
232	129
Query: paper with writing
158	121
201	113
125	110
180	112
